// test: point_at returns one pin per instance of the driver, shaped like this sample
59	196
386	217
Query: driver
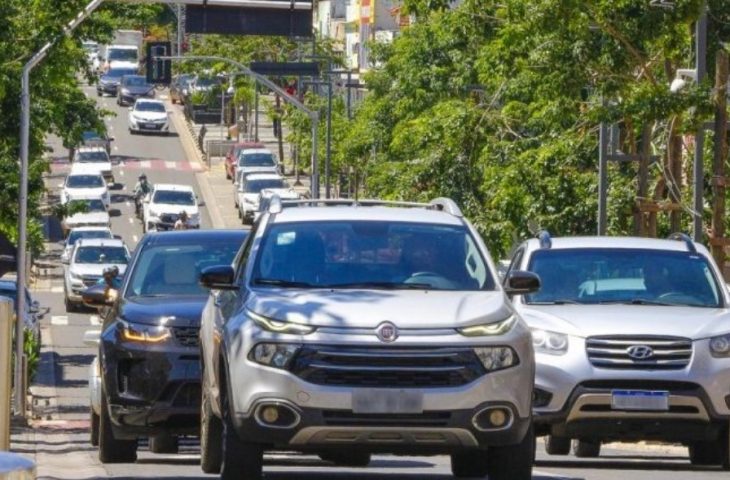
420	255
142	187
656	281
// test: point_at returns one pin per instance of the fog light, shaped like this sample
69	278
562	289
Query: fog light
492	418
497	418
270	414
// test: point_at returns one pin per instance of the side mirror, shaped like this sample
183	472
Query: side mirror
97	296
218	277
92	338
520	282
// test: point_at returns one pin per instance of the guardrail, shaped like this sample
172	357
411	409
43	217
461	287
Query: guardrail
15	467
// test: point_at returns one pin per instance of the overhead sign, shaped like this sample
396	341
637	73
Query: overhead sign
279	69
158	71
265	17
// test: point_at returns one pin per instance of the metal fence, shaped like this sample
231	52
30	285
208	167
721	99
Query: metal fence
218	148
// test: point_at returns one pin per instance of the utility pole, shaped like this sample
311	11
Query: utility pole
699	173
717	241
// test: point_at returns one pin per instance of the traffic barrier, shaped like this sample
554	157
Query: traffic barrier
6	370
15	467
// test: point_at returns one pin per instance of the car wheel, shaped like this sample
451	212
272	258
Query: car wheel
471	464
228	175
112	450
557	445
94	434
512	462
587	449
240	460
211	436
347	459
70	306
239	212
164	443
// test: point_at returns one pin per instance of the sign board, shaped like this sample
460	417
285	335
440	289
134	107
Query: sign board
158	71
271	17
279	69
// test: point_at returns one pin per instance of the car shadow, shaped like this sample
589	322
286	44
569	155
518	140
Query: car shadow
633	462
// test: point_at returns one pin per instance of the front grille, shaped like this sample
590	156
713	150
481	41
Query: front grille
169	217
187	336
342	418
90	280
667	353
387	367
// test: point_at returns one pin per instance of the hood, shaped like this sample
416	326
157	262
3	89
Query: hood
96	218
283	193
96	269
167	208
85	192
247	170
138	89
174	311
150	116
369	308
590	320
96	166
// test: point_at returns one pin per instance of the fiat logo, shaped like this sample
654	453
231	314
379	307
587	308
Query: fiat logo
640	352
387	332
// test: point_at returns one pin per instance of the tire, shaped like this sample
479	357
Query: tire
164	443
240	460
211	437
347	459
70	306
473	464
228	175
112	450
512	462
705	453
557	445
587	449
94	434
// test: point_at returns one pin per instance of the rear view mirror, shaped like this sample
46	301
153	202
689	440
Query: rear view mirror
219	277
520	282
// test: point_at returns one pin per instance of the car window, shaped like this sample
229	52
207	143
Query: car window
91	156
173	197
135	81
120	72
76	235
123	54
256	160
101	255
169	270
350	254
84	181
595	275
149	107
255	186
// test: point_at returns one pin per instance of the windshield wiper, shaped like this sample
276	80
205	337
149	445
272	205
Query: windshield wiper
638	301
560	301
382	285
283	283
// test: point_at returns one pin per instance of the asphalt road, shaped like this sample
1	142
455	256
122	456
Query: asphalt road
65	416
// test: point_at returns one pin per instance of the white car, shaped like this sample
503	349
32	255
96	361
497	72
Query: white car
86	265
92	159
163	205
85	185
256	160
148	116
82	232
249	188
95	214
121	56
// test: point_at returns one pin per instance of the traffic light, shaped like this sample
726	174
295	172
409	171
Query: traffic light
158	71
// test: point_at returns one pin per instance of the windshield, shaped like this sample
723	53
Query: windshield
93	205
84	181
101	255
174	198
135	81
173	270
624	276
256	160
205	82
123	54
92	156
78	234
255	186
89	135
120	72
149	107
367	254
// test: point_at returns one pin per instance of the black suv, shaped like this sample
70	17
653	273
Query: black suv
149	349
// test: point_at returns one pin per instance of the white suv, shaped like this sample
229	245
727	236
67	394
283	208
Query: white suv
348	327
249	188
94	159
86	264
164	204
632	341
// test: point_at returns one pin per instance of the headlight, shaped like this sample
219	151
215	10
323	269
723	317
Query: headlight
549	342
133	332
720	346
277	326
489	329
496	358
277	355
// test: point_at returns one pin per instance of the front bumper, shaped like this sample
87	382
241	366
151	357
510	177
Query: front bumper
152	387
149	126
110	89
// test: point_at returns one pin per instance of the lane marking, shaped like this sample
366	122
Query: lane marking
170	165
116	149
58	289
164	97
59	320
94	320
121	172
131	220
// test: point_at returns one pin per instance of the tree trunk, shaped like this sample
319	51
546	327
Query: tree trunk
719	158
674	171
640	227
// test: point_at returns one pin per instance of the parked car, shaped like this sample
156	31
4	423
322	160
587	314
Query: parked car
204	83
109	81
96	139
632	340
93	214
132	87
256	160
163	205
149	353
33	310
148	116
86	264
84	185
180	87
357	327
94	159
267	194
246	196
232	157
79	233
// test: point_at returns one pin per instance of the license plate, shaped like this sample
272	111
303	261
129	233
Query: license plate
149	125
652	400
387	401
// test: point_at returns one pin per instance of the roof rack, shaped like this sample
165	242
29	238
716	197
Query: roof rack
683	237
447	205
545	239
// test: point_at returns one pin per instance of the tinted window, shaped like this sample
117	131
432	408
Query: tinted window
92	136
101	255
135	81
149	107
162	270
84	181
255	186
77	234
256	160
173	197
123	54
361	254
92	156
624	276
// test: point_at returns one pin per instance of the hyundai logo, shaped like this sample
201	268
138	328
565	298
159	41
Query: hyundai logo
640	352
387	332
